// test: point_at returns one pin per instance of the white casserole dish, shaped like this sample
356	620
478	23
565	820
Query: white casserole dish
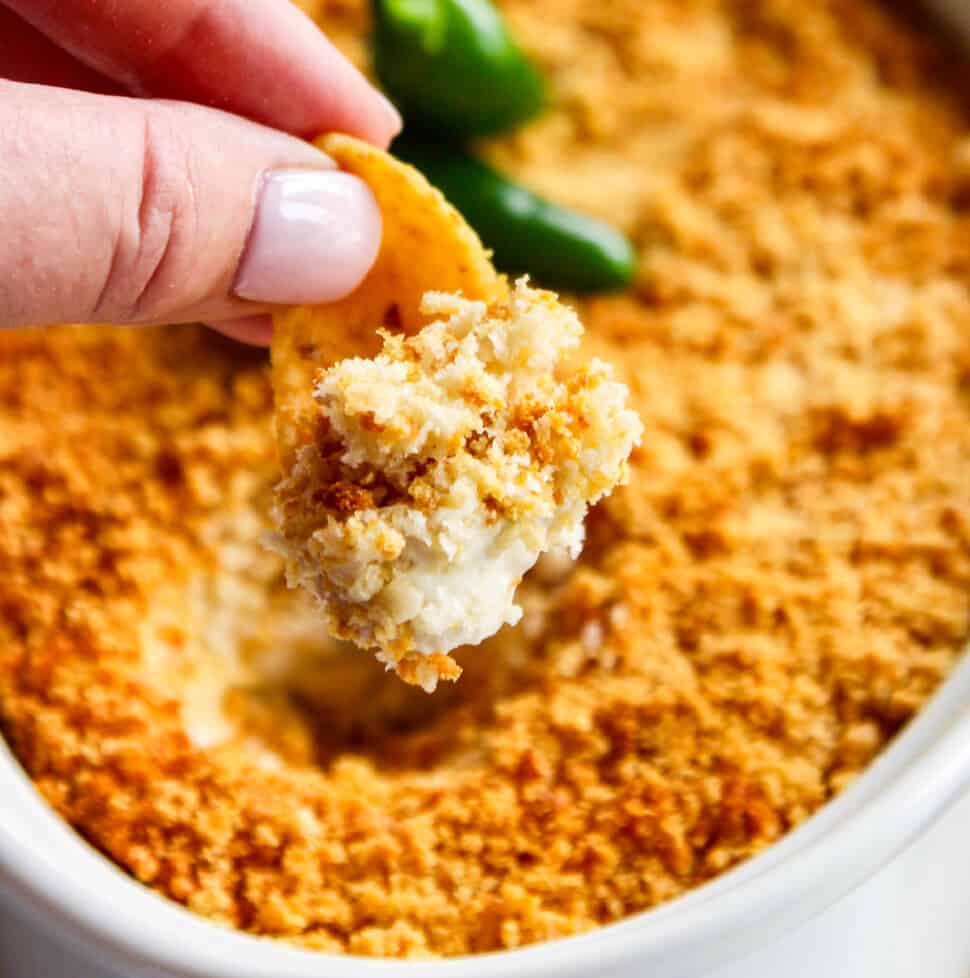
876	884
840	896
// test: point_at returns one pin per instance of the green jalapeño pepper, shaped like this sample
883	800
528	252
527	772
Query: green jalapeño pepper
452	66
559	248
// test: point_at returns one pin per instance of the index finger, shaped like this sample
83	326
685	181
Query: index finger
263	59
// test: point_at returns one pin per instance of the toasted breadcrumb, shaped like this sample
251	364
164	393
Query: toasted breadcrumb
780	587
440	471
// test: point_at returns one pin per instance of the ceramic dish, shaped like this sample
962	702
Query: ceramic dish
876	883
79	909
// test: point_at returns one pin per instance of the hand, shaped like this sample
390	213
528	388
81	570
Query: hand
124	202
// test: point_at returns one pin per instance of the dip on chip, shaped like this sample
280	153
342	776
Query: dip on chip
421	483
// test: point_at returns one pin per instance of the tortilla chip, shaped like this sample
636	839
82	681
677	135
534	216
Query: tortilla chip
426	246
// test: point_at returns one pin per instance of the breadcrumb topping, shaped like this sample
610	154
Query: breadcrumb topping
442	468
779	588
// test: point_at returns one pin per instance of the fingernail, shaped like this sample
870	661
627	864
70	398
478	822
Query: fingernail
394	119
315	236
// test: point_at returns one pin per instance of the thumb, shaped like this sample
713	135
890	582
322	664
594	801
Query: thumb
133	211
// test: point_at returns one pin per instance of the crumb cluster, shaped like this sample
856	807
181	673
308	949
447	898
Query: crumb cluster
779	588
442	468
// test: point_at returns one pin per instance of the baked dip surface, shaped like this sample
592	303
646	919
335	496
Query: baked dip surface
781	586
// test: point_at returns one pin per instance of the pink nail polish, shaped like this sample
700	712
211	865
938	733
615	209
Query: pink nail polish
394	119
315	236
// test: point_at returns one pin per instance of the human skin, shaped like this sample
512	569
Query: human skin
152	170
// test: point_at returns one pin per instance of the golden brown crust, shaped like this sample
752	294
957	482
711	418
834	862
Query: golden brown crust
781	586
